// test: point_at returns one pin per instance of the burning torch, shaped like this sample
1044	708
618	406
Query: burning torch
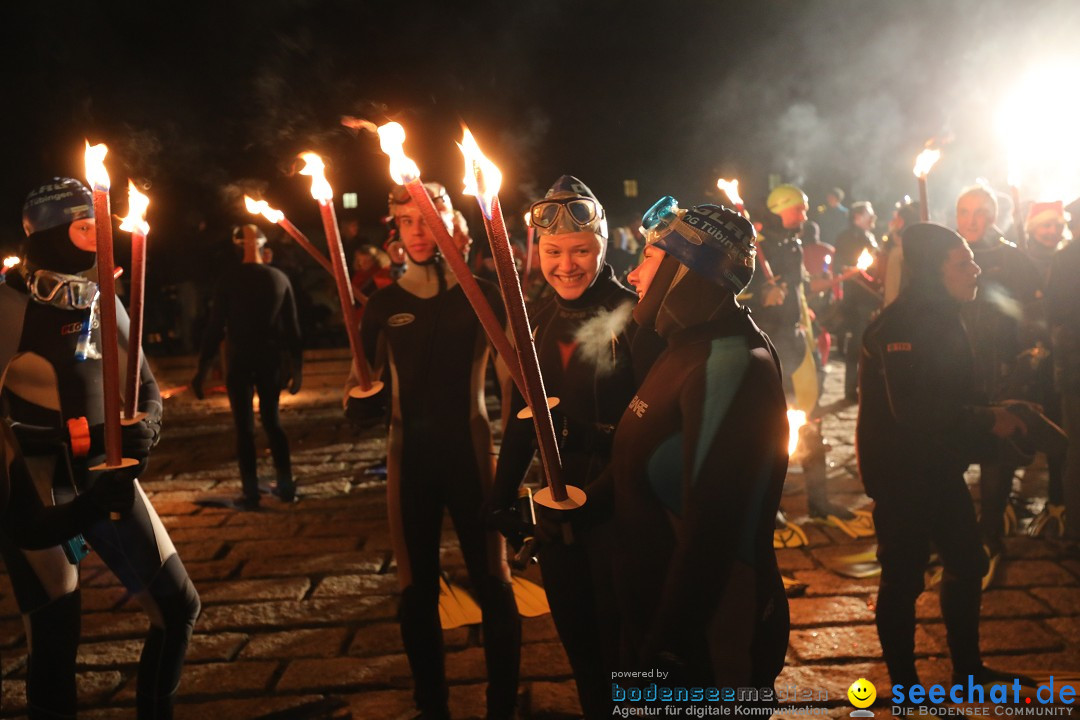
731	189
9	262
482	179
923	163
135	223
405	172
324	194
260	207
98	178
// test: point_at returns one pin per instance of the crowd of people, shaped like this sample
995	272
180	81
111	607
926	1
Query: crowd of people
672	414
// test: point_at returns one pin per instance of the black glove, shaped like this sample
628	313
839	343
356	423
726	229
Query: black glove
112	492
136	440
1042	433
197	384
365	412
297	378
509	523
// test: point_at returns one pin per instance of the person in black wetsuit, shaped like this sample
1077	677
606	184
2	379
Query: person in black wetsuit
52	398
1000	324
919	427
583	337
422	334
255	309
698	466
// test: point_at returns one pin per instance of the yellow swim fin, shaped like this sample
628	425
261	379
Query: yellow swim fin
456	607
531	598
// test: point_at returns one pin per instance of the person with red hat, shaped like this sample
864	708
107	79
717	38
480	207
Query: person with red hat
1047	234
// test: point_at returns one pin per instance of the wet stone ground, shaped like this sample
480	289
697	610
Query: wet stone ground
299	601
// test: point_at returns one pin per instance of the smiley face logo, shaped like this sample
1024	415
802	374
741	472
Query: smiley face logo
862	693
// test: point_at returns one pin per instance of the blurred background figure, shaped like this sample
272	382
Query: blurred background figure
254	311
832	217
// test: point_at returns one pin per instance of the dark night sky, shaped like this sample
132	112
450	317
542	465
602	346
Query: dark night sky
209	96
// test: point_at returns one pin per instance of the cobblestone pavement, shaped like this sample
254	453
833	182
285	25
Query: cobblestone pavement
299	601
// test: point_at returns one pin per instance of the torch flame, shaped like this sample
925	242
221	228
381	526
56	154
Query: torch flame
11	261
260	207
96	173
482	177
731	189
316	170
926	160
865	260
391	139
528	219
136	217
796	419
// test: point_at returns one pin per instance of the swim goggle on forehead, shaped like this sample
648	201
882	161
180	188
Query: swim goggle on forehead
72	292
567	214
666	217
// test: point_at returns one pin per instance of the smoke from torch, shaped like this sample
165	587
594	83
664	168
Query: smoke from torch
357	124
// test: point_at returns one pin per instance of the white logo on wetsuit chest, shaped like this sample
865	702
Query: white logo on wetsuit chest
639	406
400	319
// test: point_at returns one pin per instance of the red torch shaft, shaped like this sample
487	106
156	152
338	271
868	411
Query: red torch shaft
134	358
526	350
110	359
303	242
492	327
924	202
344	287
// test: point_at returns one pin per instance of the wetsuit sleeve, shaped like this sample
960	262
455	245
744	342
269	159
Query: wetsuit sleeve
30	524
734	452
12	318
290	323
515	454
215	326
918	366
149	393
519	436
372	343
